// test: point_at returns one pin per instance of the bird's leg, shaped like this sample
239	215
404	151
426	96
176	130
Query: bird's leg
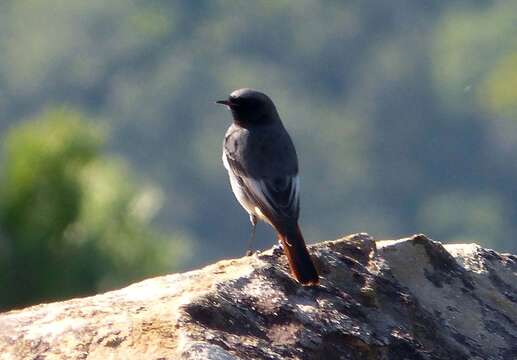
253	220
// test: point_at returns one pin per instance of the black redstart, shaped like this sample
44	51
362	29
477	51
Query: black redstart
263	168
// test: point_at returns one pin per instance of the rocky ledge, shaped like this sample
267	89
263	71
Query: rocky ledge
404	299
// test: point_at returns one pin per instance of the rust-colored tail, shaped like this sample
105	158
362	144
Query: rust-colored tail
298	256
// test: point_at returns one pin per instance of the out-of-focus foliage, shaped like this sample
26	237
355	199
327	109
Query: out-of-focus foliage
476	52
73	220
403	112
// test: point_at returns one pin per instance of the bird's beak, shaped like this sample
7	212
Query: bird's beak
223	102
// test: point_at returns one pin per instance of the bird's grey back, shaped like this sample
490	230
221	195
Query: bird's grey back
263	152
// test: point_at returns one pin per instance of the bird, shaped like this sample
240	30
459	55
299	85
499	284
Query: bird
262	165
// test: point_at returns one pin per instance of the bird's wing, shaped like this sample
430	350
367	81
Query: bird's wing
276	197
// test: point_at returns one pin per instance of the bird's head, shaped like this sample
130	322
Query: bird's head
250	107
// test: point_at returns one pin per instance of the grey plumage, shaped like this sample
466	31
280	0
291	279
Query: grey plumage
263	161
263	168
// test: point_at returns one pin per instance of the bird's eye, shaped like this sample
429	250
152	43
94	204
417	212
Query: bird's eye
234	99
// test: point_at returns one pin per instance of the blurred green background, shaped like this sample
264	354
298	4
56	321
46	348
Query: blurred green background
404	114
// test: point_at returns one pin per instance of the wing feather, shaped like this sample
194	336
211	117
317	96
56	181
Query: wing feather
276	198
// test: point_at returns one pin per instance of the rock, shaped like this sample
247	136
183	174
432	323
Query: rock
406	299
